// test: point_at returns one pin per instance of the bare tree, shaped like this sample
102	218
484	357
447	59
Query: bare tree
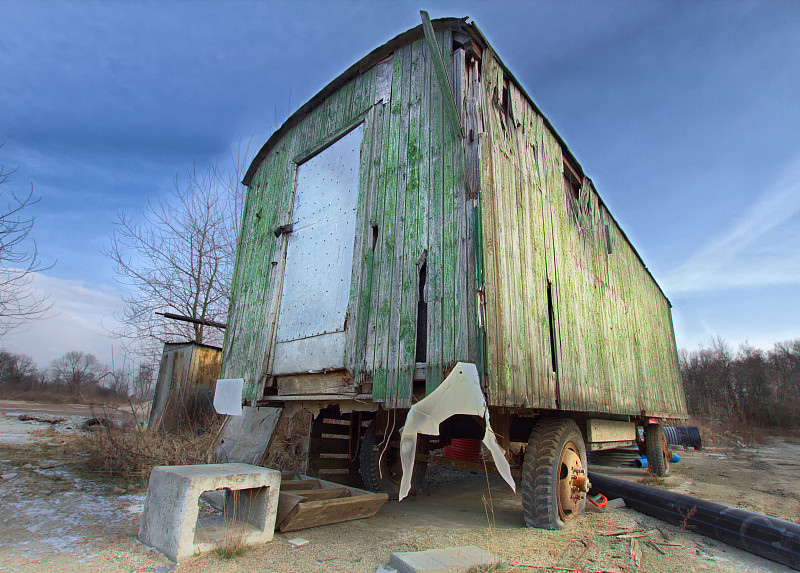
179	258
19	260
18	371
143	383
78	371
751	387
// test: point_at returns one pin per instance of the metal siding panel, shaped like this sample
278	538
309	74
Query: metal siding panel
316	284
312	354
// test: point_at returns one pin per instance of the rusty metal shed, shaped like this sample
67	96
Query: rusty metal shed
187	377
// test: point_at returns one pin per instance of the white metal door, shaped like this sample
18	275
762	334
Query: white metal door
319	259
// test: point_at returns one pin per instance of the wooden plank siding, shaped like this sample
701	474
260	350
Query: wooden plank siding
519	278
411	207
615	349
515	250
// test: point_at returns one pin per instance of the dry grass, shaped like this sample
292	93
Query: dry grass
233	544
727	435
133	452
234	532
651	479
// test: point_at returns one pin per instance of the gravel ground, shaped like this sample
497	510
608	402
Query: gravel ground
55	517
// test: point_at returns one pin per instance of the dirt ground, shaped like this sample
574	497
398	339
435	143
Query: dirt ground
56	517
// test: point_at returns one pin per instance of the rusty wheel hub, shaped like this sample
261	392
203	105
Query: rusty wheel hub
666	453
572	482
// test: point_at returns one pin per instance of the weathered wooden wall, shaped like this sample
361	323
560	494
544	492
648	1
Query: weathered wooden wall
412	208
499	225
614	343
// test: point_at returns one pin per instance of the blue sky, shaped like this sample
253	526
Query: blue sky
684	114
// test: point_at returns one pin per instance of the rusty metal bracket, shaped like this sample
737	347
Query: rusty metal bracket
284	229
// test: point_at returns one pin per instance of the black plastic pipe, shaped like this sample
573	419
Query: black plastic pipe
688	436
761	535
202	321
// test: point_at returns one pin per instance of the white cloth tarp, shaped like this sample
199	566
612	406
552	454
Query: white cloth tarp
459	393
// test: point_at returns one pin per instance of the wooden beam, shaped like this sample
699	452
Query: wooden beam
441	73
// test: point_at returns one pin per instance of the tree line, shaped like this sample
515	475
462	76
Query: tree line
746	387
76	376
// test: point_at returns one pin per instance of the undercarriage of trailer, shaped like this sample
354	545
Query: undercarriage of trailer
359	442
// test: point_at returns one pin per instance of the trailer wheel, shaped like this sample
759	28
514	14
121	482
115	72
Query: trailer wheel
380	466
656	449
554	482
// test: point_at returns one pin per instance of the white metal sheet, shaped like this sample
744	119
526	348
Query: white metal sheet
309	354
319	257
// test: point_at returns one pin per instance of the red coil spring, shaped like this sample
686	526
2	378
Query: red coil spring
463	449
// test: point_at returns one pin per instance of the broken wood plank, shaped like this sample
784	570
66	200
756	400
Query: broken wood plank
441	74
620	532
323	512
655	546
328	383
300	484
636	553
319	494
634	535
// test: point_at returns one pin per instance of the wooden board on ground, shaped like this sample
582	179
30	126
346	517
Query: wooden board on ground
310	502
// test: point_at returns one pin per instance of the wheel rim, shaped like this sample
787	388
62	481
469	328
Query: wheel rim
571	476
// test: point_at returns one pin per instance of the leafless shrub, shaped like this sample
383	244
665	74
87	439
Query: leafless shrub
133	452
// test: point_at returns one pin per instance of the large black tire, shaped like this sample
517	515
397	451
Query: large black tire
554	482
657	451
380	467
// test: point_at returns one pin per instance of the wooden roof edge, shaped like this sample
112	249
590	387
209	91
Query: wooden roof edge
375	56
478	35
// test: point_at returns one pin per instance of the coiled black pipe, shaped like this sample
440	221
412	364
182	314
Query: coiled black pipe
688	436
761	535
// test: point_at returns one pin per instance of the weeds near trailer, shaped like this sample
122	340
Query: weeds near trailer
498	567
488	506
234	532
651	479
227	531
133	452
685	518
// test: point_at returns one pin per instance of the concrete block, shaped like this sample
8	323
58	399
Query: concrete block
450	560
170	519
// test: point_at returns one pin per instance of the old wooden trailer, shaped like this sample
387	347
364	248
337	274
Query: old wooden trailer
420	212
